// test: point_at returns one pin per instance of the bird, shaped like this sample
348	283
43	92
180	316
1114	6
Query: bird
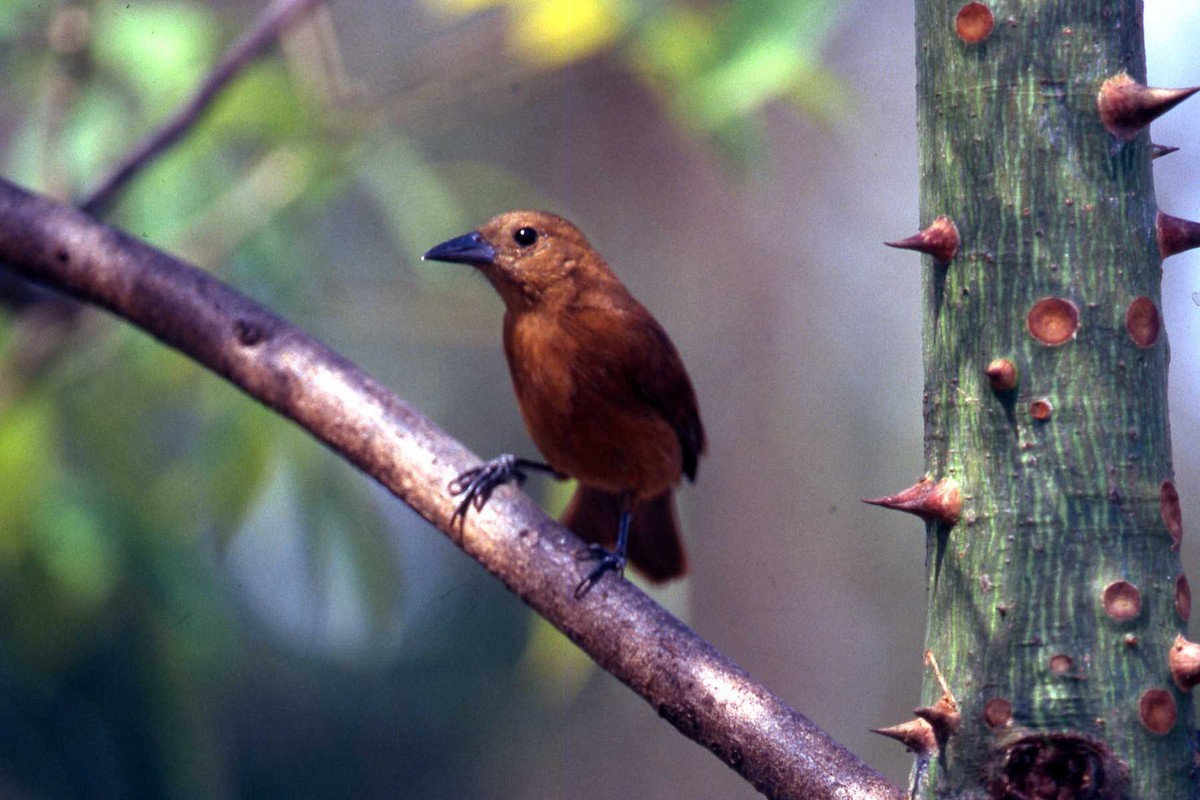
602	390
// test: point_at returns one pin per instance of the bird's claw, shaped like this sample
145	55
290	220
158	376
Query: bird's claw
476	484
606	562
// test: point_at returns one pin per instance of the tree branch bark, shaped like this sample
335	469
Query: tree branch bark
265	30
699	691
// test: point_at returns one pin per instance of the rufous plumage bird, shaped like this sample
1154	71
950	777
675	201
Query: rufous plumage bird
602	389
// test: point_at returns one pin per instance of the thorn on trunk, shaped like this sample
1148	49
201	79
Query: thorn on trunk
943	716
1184	661
939	501
1127	106
1002	375
939	240
916	735
1176	235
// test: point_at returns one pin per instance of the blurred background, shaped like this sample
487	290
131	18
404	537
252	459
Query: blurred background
196	600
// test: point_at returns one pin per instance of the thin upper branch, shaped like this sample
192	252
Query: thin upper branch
698	690
274	19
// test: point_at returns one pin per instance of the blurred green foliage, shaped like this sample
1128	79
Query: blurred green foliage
714	65
130	637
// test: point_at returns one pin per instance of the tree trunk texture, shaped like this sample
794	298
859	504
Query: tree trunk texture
1055	587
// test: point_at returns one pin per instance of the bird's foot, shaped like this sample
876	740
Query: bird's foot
605	562
476	484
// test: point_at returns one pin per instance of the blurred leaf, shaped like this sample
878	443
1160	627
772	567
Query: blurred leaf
79	556
818	92
171	452
160	214
464	7
555	668
674	45
235	451
27	446
18	16
412	195
762	70
97	128
163	49
343	521
556	495
44	631
58	568
182	713
549	33
262	104
94	126
716	71
318	531
505	189
257	195
282	262
24	156
740	139
128	423
714	67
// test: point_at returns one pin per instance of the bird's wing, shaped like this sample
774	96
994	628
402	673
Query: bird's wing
625	335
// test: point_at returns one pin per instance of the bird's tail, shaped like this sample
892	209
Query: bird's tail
655	548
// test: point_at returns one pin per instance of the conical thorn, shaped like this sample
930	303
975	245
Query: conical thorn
943	716
1002	375
1176	235
1160	150
916	734
938	501
939	240
1184	661
1127	106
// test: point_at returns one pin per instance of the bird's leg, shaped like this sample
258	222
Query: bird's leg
477	483
606	561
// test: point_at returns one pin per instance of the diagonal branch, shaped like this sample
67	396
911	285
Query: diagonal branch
698	690
278	16
273	20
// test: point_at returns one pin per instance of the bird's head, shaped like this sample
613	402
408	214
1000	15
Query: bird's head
531	257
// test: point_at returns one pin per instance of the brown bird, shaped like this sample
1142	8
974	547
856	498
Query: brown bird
603	392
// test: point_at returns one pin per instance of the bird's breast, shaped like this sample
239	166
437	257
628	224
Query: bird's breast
584	413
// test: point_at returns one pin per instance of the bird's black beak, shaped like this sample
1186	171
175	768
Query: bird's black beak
470	248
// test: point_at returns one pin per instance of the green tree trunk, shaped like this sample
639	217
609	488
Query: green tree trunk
1056	593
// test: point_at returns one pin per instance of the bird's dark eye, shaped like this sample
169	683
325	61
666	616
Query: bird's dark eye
525	236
